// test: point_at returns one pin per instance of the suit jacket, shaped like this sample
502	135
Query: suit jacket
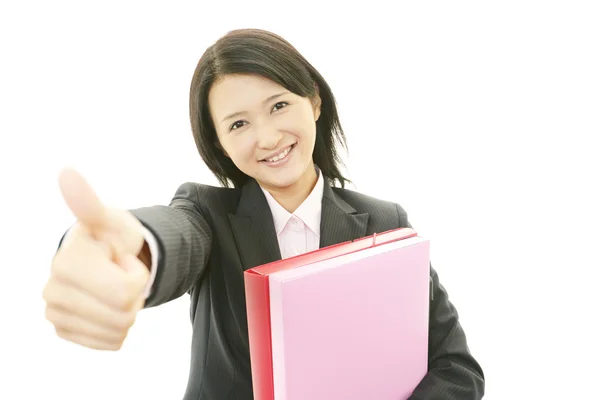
208	236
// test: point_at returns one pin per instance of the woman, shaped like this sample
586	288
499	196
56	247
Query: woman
265	123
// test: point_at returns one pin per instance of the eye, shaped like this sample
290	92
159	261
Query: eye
237	125
280	105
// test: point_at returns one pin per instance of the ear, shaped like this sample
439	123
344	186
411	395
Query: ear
316	102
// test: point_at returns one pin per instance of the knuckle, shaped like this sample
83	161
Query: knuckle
59	267
53	295
56	318
134	288
113	345
49	315
63	333
46	292
122	338
125	321
49	294
122	298
63	266
128	291
116	346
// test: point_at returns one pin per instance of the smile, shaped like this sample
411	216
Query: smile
279	158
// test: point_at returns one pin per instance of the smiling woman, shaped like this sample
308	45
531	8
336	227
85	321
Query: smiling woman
265	121
274	137
252	97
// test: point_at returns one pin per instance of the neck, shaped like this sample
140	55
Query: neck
292	196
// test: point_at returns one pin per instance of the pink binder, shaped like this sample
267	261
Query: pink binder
349	321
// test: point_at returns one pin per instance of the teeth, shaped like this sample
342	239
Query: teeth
281	155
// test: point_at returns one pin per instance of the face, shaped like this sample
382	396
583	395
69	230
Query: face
267	131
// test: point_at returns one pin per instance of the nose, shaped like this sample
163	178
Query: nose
268	137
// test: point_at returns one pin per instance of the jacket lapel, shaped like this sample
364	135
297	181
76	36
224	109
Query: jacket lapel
254	229
340	222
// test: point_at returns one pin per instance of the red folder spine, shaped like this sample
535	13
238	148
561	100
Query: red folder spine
259	332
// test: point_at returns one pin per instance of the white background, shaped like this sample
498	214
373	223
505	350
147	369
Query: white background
481	119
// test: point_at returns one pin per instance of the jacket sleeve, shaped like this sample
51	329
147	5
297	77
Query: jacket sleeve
184	240
453	373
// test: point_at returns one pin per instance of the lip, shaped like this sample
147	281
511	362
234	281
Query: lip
283	160
278	151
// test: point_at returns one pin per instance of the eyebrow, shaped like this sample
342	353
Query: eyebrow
270	98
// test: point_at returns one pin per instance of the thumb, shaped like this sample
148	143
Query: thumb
82	200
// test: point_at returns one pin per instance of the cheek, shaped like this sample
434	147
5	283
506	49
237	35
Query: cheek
240	148
300	125
308	133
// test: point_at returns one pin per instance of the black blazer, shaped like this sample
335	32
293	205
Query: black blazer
208	236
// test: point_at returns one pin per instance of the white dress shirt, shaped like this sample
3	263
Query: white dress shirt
299	232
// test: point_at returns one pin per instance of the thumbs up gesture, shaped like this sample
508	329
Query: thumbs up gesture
97	281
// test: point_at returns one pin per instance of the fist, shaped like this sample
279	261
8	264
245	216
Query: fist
97	281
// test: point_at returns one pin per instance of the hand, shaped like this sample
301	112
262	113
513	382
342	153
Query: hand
97	282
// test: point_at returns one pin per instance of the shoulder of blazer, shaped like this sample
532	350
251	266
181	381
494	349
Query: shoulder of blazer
378	209
206	196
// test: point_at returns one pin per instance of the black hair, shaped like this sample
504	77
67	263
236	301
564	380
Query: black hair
259	52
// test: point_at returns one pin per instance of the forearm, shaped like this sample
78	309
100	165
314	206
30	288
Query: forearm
453	373
183	241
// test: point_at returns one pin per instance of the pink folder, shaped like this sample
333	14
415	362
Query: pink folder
349	321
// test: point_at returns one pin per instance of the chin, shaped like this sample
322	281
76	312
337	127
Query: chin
282	181
281	178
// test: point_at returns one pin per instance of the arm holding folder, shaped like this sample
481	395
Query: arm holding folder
453	373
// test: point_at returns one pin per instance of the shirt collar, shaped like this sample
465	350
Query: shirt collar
309	212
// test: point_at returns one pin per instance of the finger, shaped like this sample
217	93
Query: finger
62	319
88	341
87	267
74	301
82	200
